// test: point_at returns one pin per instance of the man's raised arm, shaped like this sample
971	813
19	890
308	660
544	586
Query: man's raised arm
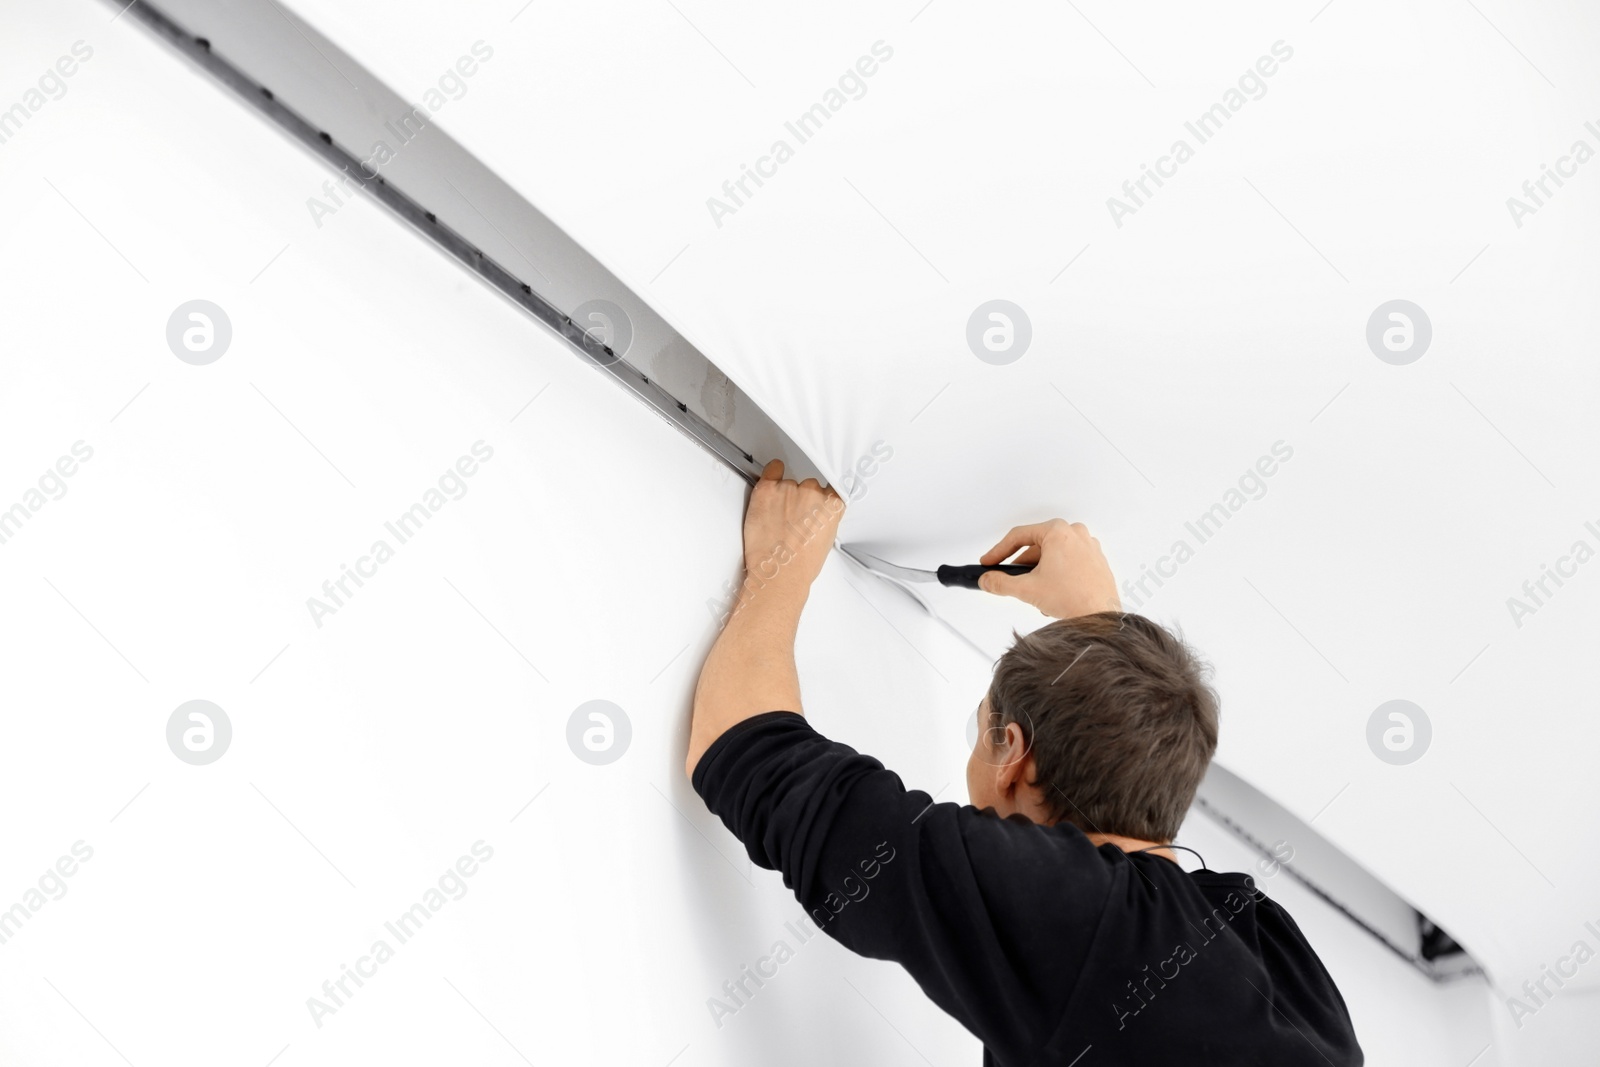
788	530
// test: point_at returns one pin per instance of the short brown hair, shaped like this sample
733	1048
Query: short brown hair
1119	718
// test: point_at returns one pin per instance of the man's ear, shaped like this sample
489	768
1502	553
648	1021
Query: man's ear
1013	762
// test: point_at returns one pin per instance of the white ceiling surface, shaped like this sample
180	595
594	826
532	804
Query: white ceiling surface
1226	315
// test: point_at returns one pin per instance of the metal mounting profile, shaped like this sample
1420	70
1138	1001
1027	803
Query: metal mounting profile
1327	871
584	343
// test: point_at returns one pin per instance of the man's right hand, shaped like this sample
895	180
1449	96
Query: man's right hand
1070	576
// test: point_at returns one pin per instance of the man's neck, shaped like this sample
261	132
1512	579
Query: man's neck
1132	844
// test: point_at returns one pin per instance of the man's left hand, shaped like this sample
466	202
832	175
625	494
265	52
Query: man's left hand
789	527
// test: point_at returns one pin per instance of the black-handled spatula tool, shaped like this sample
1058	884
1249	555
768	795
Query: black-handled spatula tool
962	576
912	580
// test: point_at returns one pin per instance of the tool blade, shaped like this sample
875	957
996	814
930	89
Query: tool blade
887	569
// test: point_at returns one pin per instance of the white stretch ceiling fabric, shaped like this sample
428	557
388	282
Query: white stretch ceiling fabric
1357	154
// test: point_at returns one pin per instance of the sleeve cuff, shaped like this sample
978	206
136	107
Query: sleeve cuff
729	737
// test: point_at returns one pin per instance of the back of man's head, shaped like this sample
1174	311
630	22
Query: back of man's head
1118	716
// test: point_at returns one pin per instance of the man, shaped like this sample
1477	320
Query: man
1047	916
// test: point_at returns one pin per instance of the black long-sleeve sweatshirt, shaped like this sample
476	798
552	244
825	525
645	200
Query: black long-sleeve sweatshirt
1047	948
